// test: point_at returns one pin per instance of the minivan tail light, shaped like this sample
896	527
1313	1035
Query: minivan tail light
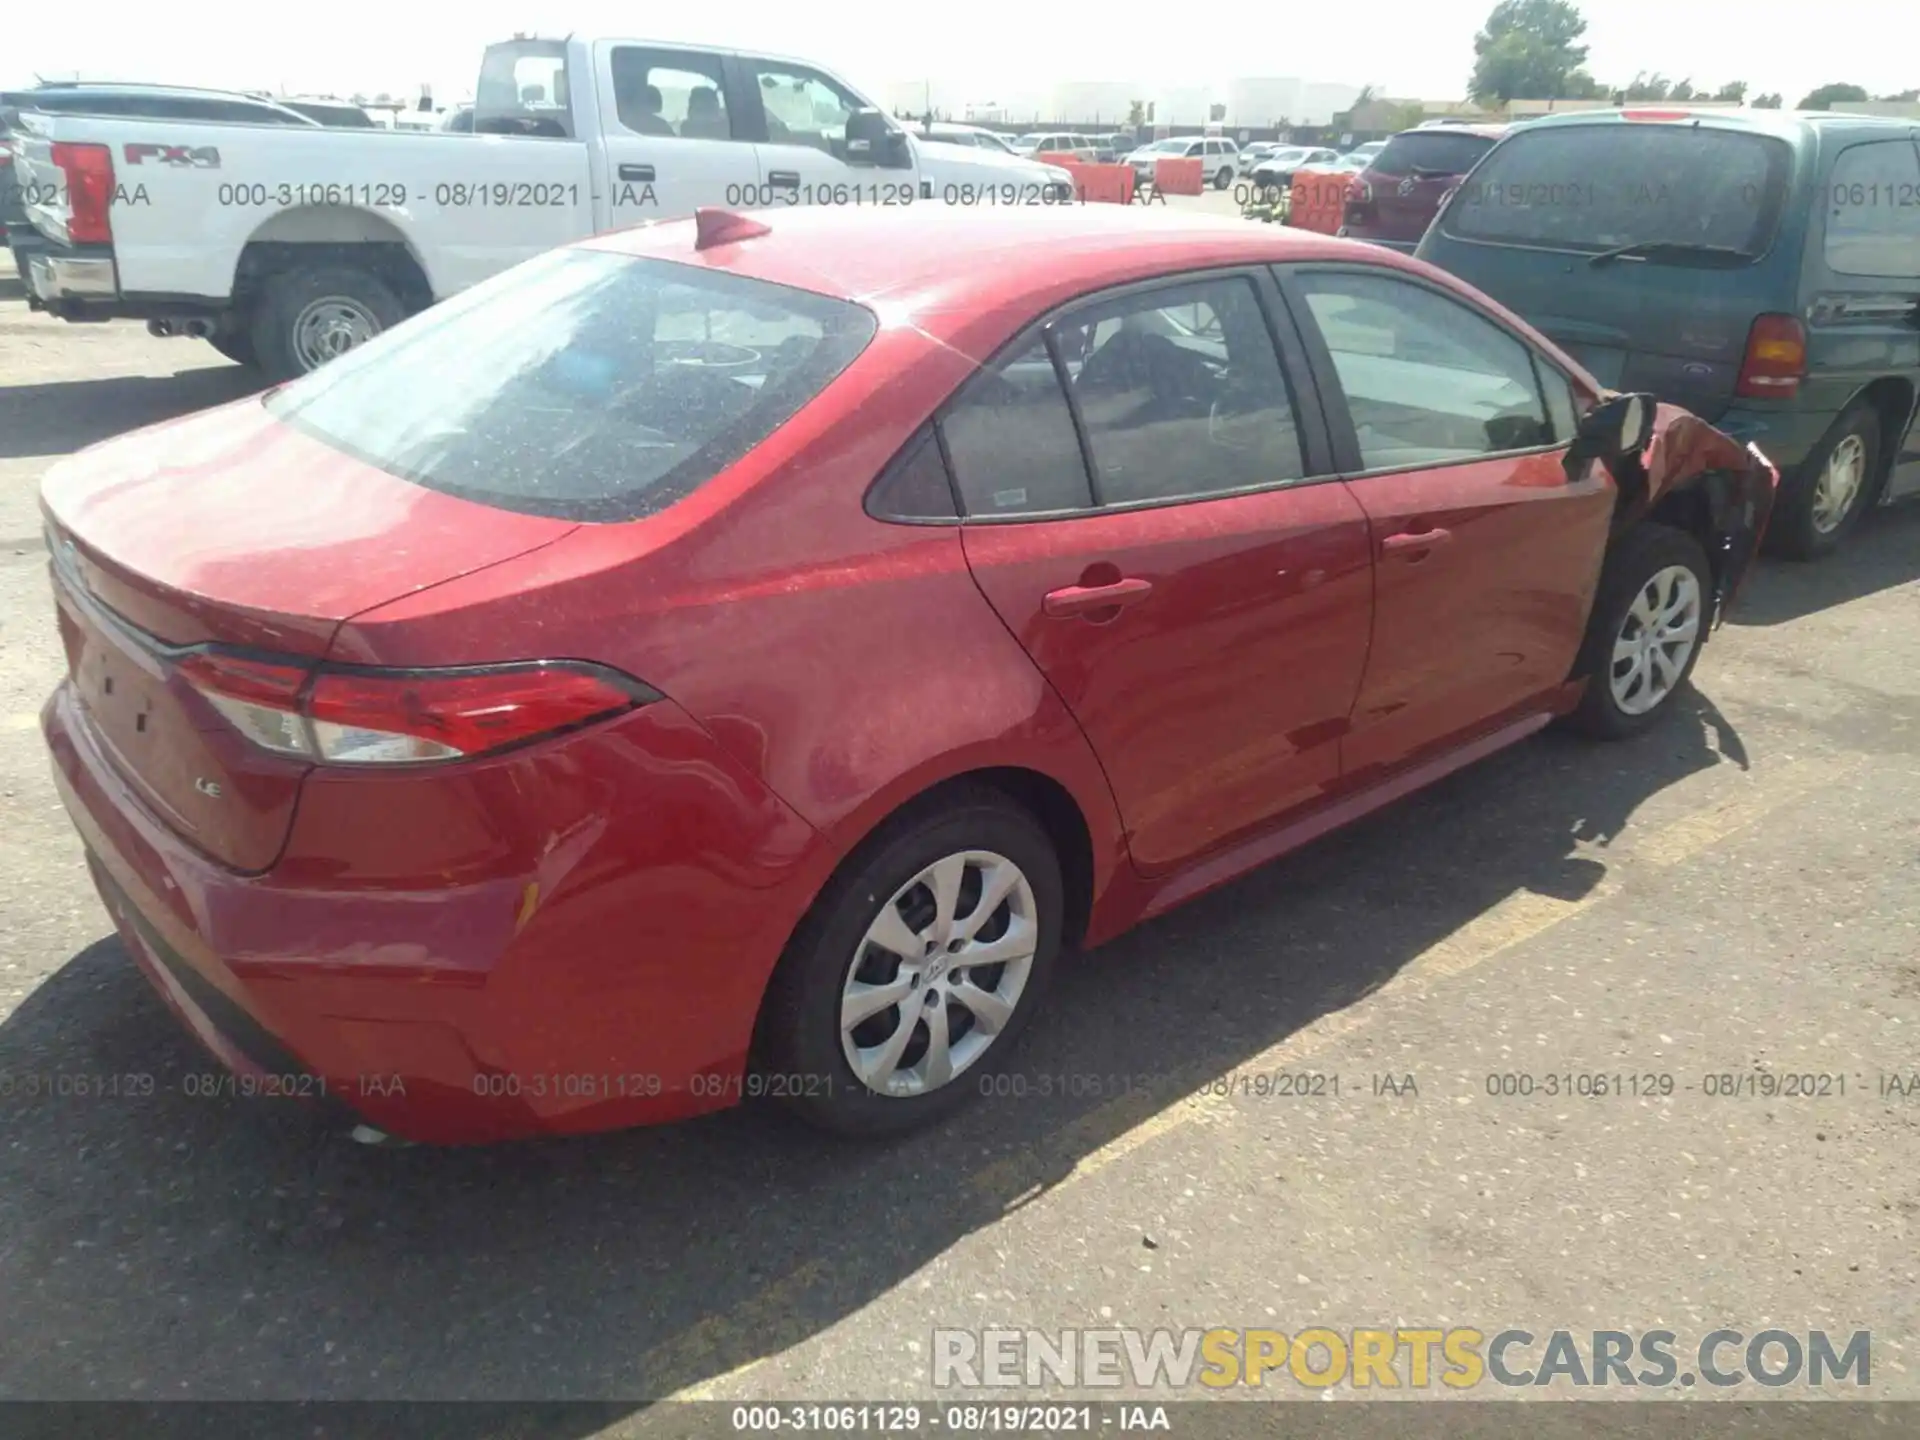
1776	358
340	715
88	170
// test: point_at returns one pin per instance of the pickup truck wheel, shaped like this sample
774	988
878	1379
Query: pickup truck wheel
305	318
1830	491
1649	620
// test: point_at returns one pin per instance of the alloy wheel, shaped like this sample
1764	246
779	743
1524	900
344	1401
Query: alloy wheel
937	976
1841	480
1656	639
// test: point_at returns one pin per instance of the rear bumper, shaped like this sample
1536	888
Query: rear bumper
51	277
563	991
1786	436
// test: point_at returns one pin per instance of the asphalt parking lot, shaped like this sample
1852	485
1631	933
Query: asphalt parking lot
1736	894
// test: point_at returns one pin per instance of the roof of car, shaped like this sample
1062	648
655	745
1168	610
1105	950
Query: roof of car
1486	132
938	267
1778	122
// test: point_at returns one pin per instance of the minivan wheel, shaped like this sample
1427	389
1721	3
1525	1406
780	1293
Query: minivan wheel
1831	491
909	982
1648	623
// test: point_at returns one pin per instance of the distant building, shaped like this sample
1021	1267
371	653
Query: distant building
1247	101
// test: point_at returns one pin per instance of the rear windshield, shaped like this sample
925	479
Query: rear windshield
1595	187
1433	151
582	385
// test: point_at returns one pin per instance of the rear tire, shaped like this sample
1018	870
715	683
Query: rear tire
1654	592
1831	490
305	317
802	1048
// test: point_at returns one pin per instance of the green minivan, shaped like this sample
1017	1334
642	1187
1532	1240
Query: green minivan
1760	268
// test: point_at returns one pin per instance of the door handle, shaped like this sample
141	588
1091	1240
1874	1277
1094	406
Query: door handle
784	179
1084	599
1415	540
641	173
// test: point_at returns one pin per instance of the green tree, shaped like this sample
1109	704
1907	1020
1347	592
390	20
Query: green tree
1767	102
1683	90
1527	50
1647	87
1905	96
1136	113
1823	98
1735	90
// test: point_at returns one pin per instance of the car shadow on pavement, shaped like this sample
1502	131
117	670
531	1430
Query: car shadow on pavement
60	416
183	1244
1882	552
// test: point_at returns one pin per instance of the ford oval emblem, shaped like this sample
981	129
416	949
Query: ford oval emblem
1696	370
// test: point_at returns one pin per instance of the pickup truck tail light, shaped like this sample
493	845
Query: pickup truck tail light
365	716
1776	359
88	173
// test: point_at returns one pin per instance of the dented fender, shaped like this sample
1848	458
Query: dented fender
1736	484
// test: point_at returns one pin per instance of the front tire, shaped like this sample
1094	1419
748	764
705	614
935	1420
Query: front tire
909	982
1648	623
1223	179
1831	491
305	318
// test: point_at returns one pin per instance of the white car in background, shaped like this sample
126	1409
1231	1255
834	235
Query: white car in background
1219	157
978	137
1055	144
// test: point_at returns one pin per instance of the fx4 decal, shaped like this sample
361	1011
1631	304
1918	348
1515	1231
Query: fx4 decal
203	157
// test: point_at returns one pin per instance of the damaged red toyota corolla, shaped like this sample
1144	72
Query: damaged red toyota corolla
713	661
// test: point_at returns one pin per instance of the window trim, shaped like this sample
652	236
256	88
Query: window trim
1318	455
1333	395
925	433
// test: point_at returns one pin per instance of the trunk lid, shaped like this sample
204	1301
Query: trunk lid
230	528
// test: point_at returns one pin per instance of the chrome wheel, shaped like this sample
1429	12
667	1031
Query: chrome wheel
1841	480
327	328
936	978
1656	640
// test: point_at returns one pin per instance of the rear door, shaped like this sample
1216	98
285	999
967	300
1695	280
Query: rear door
673	140
1452	431
1528	225
1149	510
1864	274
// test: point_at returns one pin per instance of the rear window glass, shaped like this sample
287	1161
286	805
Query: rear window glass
582	385
1873	210
1436	152
1594	187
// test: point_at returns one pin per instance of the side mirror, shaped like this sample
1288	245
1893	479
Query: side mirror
1621	425
872	141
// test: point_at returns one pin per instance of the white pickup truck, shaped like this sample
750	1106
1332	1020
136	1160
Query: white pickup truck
284	247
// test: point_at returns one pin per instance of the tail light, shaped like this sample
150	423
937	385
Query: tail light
1776	358
340	715
89	175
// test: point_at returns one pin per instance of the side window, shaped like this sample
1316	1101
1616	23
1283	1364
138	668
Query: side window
914	486
670	93
1196	150
1010	437
1426	380
1873	210
1181	393
803	107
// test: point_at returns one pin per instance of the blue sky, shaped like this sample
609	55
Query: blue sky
1420	48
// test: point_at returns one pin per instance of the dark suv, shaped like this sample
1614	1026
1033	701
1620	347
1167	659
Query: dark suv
1760	268
1394	198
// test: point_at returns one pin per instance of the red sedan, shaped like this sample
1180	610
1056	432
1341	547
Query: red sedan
734	658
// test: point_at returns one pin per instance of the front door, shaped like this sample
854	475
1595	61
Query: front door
1486	558
1151	517
803	157
671	135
